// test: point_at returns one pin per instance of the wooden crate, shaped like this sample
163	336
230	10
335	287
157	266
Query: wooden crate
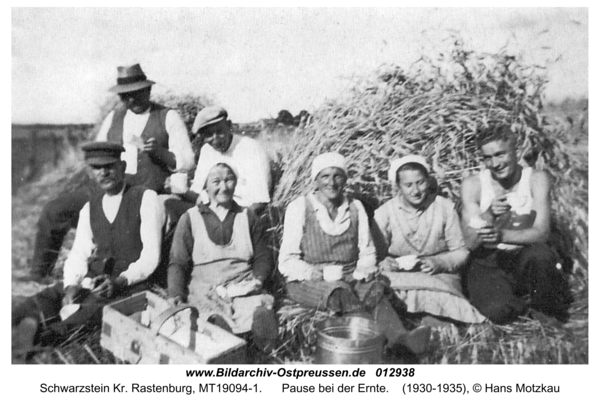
146	329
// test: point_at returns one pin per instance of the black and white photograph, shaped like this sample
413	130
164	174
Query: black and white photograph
300	186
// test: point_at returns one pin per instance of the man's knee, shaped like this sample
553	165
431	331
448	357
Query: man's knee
541	271
51	213
537	255
493	294
62	212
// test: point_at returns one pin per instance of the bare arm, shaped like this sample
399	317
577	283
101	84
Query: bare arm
539	231
152	221
471	196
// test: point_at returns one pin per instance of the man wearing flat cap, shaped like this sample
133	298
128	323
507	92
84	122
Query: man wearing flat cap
243	153
156	145
116	248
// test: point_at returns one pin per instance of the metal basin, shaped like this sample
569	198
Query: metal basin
349	340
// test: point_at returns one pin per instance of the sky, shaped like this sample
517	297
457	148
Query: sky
257	61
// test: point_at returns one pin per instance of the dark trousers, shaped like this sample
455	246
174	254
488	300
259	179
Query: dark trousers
45	307
503	284
57	218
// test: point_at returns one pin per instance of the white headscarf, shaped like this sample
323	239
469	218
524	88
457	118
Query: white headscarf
328	160
229	164
399	162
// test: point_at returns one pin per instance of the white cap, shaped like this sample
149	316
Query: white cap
328	160
399	162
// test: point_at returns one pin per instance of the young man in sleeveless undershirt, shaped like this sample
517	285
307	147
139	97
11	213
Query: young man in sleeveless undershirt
506	223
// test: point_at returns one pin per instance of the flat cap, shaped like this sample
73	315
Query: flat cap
102	153
208	116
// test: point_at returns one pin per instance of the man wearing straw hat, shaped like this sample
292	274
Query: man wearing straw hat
156	145
506	222
116	248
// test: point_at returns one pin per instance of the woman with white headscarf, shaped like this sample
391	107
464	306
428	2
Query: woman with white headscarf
328	258
419	237
220	259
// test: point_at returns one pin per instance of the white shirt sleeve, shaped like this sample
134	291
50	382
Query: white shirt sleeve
103	132
255	172
291	264
153	218
179	142
76	265
205	162
367	255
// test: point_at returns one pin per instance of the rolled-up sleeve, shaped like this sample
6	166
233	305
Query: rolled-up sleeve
381	232
152	221
255	175
106	124
367	256
457	254
76	265
291	264
179	142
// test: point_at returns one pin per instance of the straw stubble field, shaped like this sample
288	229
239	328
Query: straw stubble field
435	109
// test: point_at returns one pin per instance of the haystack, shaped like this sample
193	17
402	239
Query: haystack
435	109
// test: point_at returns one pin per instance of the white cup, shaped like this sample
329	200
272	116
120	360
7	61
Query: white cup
477	223
179	183
87	283
333	272
68	310
407	262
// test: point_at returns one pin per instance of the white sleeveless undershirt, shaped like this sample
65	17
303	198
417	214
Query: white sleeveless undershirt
523	191
522	204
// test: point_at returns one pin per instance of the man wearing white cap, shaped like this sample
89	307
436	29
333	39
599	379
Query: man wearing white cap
419	239
156	145
244	153
328	258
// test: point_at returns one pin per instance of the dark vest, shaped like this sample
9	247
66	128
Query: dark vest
150	173
118	244
320	247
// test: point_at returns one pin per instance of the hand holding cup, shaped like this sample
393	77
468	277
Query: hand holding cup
333	272
408	262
